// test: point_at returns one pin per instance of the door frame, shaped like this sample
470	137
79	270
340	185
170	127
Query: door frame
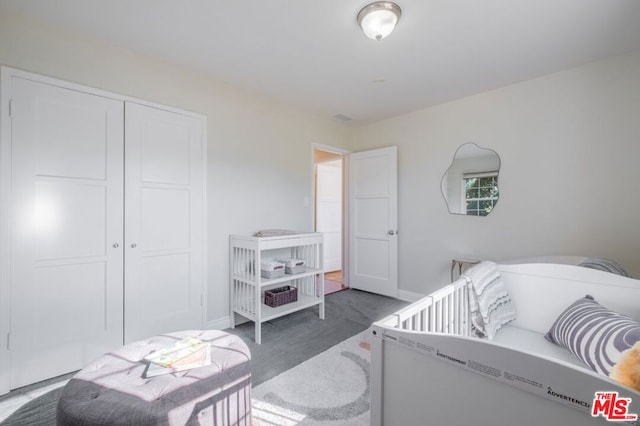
5	220
345	200
6	75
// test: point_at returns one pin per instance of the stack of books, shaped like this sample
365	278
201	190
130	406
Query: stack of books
185	354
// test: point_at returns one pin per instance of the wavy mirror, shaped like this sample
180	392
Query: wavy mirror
470	184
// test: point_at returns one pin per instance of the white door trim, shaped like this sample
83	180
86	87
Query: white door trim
329	148
5	220
6	74
345	201
205	228
14	72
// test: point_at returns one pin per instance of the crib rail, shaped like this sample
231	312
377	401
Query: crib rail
443	311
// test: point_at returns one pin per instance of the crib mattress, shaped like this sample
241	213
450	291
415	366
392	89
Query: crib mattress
535	343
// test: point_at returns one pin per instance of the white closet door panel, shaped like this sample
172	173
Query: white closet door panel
168	273
164	222
66	294
165	152
164	228
70	139
70	219
67	204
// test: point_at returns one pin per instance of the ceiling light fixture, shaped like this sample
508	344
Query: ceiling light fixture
379	18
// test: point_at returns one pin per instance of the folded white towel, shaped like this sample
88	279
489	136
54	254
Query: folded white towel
274	232
490	304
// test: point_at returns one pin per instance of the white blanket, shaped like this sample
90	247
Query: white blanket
489	302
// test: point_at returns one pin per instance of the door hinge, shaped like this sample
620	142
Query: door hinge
10	107
201	299
9	341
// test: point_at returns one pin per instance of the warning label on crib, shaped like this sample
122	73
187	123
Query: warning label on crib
516	378
491	371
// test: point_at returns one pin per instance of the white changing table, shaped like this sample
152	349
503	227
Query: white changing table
247	286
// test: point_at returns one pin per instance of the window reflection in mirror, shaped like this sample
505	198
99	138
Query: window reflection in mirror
470	184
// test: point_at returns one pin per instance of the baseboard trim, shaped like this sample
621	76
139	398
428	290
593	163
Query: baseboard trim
219	324
409	296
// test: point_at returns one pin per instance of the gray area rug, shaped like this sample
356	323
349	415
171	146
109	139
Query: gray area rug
331	388
286	342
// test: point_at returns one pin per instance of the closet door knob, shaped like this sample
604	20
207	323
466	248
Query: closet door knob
134	245
116	245
391	232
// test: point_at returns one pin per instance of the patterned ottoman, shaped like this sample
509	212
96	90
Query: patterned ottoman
112	390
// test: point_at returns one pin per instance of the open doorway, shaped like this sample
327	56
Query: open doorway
329	214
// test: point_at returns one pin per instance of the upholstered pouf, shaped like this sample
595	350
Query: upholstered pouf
112	390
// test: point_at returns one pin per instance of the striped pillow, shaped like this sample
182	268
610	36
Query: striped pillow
605	265
594	334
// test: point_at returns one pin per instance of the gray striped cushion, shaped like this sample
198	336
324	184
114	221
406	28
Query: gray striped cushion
594	334
605	265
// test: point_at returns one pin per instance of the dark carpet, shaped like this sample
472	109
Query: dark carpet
286	342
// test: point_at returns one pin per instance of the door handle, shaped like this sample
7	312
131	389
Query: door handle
391	232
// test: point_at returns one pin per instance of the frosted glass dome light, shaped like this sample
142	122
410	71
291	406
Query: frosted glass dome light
378	19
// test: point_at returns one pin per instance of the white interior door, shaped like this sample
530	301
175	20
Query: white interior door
66	229
164	222
373	221
329	212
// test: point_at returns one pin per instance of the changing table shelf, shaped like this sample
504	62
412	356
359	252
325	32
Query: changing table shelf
288	277
247	286
269	313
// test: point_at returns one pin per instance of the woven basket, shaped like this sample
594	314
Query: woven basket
280	296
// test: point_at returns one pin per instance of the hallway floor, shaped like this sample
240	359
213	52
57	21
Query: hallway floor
333	281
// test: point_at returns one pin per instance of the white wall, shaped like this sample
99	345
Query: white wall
569	145
259	166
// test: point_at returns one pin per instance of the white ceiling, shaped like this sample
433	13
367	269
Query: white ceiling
312	54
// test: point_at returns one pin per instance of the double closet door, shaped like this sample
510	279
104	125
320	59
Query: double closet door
106	226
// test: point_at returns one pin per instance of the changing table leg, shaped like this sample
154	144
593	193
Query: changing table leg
258	326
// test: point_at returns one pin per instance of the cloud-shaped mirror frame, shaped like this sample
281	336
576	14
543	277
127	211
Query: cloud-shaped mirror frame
479	166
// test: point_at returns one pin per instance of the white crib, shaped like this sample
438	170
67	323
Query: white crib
426	369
